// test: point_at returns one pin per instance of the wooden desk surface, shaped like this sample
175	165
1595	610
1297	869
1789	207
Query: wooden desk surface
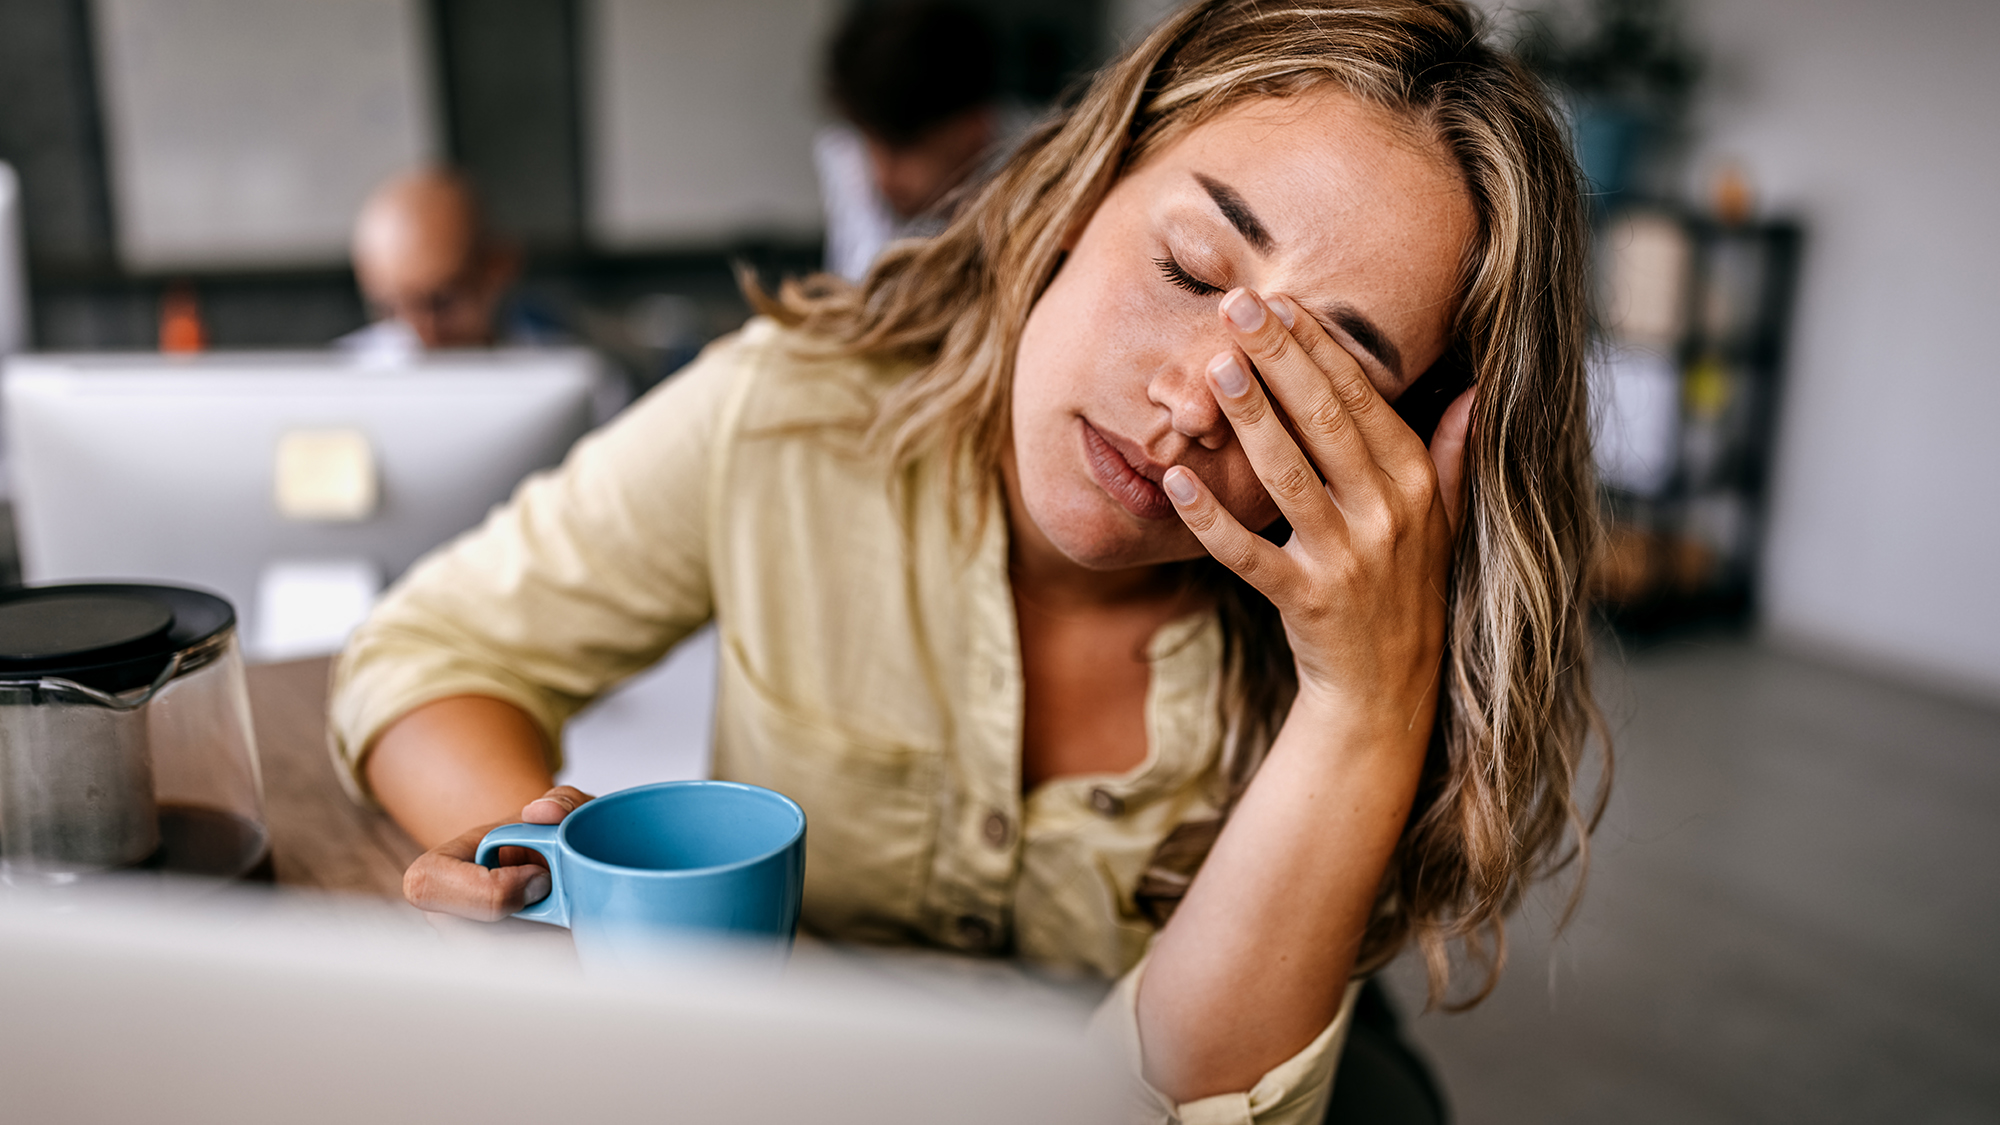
319	837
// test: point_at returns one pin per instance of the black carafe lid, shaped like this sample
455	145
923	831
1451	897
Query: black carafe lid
112	637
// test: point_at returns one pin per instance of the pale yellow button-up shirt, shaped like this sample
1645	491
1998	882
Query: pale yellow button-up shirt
869	670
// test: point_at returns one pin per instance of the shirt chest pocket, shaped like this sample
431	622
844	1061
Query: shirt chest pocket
871	802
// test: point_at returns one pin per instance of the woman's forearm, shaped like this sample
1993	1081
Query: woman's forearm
457	763
1256	960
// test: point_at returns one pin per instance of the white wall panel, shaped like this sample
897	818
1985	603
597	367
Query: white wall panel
701	119
1875	123
248	132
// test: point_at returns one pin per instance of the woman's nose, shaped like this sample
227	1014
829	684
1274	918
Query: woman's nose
1180	388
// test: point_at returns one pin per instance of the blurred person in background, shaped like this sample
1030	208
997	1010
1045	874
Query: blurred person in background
435	273
916	84
438	276
1170	573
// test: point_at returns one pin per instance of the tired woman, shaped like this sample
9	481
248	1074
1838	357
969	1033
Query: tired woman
1173	570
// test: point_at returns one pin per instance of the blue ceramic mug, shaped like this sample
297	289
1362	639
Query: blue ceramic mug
702	859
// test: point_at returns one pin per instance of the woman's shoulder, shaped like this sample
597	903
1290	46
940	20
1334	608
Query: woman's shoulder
794	379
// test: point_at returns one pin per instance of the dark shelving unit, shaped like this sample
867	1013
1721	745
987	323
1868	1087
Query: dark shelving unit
1684	551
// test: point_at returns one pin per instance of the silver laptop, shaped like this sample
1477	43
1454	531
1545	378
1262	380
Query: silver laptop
228	1009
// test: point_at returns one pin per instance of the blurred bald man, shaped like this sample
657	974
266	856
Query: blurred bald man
431	269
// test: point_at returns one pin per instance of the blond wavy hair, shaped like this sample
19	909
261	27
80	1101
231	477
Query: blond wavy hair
1500	804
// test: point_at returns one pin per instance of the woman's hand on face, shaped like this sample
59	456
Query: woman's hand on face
445	880
1361	583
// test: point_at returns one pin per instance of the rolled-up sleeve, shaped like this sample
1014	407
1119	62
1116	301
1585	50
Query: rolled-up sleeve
591	572
1295	1092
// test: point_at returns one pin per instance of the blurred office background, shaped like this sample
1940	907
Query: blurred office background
633	148
1793	898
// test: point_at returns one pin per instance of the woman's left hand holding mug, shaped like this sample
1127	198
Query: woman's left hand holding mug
445	880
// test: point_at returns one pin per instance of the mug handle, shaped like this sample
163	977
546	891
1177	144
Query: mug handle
541	838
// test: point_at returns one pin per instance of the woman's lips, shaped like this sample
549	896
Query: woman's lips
1126	482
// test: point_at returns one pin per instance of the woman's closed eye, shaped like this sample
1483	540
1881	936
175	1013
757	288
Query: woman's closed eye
1181	279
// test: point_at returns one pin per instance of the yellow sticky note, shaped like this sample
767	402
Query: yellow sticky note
325	475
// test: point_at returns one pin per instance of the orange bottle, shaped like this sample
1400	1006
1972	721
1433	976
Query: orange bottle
181	329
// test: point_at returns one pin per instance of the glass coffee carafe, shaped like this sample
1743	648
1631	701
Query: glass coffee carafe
125	738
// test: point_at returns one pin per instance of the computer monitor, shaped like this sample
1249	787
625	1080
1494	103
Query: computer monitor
294	484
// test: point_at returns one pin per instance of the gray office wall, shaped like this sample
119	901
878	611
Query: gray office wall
1875	123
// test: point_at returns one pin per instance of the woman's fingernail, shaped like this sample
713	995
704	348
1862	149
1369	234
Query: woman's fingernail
1179	484
1284	311
1229	376
1244	310
536	889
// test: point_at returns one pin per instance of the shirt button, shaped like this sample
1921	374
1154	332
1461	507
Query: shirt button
996	829
1106	802
975	932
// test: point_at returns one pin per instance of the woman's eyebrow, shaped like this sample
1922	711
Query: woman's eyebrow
1238	213
1364	334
